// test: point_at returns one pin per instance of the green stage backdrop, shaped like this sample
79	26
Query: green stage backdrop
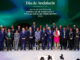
24	12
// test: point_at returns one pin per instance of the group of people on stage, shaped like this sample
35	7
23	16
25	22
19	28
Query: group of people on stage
41	38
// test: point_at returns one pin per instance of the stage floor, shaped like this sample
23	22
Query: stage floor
35	55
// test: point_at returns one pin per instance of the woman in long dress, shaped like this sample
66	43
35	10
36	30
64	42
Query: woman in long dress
56	38
16	39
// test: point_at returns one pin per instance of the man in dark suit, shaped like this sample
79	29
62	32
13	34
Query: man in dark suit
74	32
49	40
12	32
1	39
27	40
19	29
77	39
43	36
70	46
53	28
30	36
64	38
60	38
23	39
34	27
46	38
1	27
68	29
8	40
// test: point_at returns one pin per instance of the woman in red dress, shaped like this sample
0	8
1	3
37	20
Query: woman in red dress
56	38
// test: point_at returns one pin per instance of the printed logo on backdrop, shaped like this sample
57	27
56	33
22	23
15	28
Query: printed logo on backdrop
40	8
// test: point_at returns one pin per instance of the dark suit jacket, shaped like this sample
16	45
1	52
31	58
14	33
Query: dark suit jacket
1	36
8	37
50	34
53	28
61	31
62	35
34	29
43	34
23	35
32	34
